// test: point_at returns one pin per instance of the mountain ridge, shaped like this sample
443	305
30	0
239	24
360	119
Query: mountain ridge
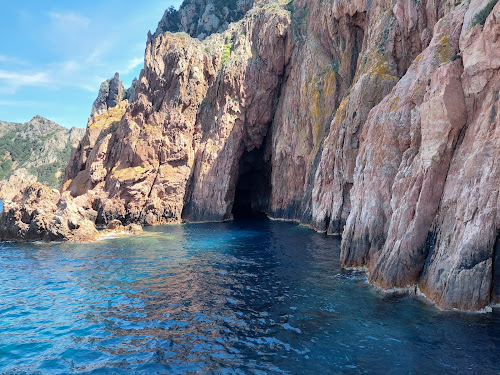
40	146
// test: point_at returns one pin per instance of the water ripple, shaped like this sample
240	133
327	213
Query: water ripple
233	298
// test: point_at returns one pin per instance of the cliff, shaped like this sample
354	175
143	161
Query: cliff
201	18
111	93
375	120
39	147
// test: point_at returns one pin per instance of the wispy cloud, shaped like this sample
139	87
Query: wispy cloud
18	79
55	76
70	20
70	48
132	64
80	52
12	60
21	103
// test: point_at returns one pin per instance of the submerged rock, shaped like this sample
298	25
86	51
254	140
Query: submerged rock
117	226
114	225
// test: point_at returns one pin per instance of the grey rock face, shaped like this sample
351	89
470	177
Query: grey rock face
110	94
130	93
201	18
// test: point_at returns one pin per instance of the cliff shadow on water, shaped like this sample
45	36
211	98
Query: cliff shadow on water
253	185
495	281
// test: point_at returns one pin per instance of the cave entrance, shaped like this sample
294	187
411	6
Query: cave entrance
253	187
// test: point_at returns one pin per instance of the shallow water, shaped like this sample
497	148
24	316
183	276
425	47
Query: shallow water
250	297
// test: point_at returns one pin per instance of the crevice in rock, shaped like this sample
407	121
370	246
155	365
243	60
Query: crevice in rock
348	42
358	33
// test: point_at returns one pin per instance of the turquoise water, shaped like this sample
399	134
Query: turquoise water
250	297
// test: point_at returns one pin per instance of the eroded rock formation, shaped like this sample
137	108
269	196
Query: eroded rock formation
201	18
111	93
42	213
371	119
16	183
194	103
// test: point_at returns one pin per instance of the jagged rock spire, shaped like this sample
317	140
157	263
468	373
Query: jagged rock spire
111	93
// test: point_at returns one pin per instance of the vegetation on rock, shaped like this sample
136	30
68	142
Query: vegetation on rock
480	17
40	145
201	18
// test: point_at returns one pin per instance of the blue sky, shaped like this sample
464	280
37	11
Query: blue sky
55	53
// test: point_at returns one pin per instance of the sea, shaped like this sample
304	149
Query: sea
243	297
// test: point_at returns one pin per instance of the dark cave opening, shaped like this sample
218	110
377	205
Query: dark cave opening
253	187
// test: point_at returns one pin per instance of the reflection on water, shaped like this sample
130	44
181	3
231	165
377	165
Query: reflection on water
248	297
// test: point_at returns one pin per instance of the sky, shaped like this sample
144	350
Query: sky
54	54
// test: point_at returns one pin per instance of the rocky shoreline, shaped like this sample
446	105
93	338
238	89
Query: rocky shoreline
369	119
41	213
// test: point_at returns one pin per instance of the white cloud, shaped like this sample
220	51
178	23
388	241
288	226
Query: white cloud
132	64
95	56
12	60
55	76
21	103
91	86
18	79
72	73
69	20
72	48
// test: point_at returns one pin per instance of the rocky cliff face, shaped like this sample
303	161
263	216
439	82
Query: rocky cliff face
140	167
16	183
40	213
371	119
201	18
111	93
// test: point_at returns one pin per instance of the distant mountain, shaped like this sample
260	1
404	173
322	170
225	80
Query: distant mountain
40	146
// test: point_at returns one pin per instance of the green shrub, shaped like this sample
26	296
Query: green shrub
5	168
226	54
335	66
47	174
480	17
298	17
173	20
20	149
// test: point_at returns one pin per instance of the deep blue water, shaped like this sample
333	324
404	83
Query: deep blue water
256	297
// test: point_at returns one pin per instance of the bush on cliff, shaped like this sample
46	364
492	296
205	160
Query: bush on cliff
480	17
